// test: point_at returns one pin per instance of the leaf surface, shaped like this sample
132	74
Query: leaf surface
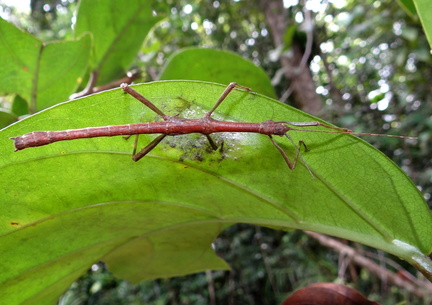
41	73
423	10
409	7
217	66
72	203
118	30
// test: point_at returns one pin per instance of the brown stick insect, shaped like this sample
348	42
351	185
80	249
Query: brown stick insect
175	125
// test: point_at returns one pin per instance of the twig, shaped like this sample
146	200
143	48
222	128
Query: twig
91	89
418	288
210	285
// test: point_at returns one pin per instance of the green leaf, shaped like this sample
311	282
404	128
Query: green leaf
217	66
288	36
19	52
423	10
118	33
6	118
19	106
409	7
41	73
72	203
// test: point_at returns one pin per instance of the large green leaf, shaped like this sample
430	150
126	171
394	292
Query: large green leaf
217	66
423	10
41	73
118	32
70	204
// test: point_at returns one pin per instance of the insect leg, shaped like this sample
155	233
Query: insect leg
148	148
224	94
212	143
135	144
143	100
292	164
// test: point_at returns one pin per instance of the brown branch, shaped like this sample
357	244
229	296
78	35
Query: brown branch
211	288
417	287
301	85
129	78
91	89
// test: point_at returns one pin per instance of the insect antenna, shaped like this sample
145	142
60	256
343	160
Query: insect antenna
348	131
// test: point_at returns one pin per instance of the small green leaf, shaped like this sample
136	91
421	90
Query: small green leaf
72	203
118	33
42	74
19	106
377	97
217	66
288	36
6	118
409	7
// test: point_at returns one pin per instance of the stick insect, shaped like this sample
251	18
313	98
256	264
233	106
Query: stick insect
175	125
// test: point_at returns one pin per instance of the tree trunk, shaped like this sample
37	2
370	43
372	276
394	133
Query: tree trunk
301	82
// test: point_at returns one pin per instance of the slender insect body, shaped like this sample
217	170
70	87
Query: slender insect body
170	127
175	125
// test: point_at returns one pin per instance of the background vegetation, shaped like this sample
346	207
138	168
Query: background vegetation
369	68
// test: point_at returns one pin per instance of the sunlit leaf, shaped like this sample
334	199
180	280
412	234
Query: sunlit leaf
217	66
